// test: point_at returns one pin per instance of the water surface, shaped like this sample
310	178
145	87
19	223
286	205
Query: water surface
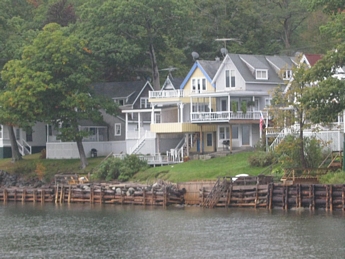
115	231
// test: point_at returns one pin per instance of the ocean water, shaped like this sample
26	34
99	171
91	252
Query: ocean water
116	231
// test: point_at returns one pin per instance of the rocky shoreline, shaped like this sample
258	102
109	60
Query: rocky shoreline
14	180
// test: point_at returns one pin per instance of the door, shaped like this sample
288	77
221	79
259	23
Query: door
245	135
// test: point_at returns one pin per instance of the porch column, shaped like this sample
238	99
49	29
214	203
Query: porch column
157	144
201	146
126	125
187	143
209	104
153	114
229	106
191	109
181	112
139	128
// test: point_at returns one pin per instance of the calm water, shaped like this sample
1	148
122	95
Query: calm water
114	231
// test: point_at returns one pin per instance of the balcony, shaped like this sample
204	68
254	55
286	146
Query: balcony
225	116
165	94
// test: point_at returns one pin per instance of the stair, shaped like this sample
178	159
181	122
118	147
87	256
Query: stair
218	190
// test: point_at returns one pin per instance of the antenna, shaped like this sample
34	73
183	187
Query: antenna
229	39
195	55
170	69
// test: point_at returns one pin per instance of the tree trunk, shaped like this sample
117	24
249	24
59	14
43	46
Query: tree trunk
16	156
81	153
155	72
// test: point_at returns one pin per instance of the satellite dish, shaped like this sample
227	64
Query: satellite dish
224	51
195	55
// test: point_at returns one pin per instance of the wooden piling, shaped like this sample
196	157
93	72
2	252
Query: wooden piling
23	195
43	196
5	195
271	186
69	194
343	197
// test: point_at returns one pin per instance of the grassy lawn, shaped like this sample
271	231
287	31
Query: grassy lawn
195	170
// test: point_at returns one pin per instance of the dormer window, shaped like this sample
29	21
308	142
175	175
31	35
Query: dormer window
198	85
120	102
287	74
261	74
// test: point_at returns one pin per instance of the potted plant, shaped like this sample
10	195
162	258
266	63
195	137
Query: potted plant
244	107
234	107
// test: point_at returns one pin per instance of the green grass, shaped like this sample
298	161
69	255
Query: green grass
196	170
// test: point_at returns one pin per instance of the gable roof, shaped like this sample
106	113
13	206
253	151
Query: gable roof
311	59
172	83
208	68
247	64
117	90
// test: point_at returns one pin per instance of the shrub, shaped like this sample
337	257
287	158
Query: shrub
261	159
333	178
123	170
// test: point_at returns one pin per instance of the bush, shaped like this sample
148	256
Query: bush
261	159
333	178
123	170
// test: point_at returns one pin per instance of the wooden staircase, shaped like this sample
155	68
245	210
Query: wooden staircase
219	189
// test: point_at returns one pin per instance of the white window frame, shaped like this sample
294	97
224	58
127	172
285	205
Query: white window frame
144	102
117	129
261	74
198	85
268	102
224	132
207	139
230	79
287	74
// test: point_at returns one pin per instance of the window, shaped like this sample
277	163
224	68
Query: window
144	102
29	136
268	102
117	129
198	85
200	107
229	78
119	101
235	132
17	134
224	133
209	139
287	74
261	74
157	118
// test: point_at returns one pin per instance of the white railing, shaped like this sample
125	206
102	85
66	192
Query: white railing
140	142
225	115
25	148
210	116
166	94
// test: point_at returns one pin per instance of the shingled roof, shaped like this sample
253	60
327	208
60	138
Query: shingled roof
114	90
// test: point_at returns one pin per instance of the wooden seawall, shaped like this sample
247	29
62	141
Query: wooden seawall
75	194
271	196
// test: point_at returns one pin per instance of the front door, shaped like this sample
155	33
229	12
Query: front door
245	135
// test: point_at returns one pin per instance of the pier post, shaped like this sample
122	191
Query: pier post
5	195
15	195
34	196
331	197
69	194
271	186
43	195
23	195
286	202
56	193
327	198
343	197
